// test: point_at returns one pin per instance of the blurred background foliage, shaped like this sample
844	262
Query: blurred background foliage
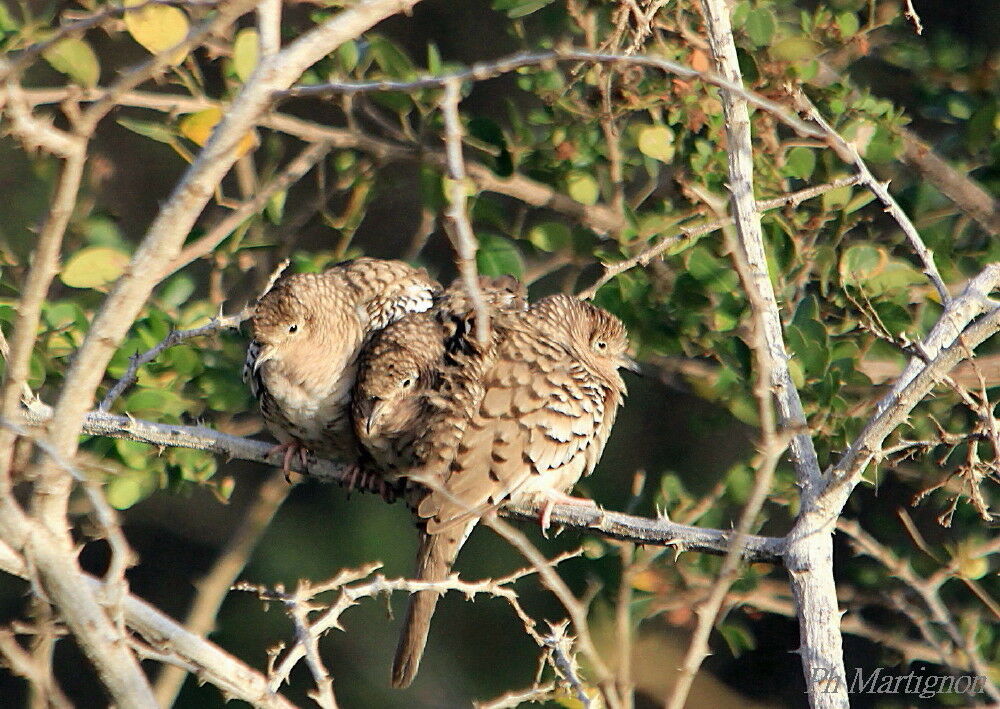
634	143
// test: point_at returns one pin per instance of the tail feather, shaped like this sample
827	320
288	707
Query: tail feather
435	557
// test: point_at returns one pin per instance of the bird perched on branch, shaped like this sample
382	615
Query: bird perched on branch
307	332
416	370
522	416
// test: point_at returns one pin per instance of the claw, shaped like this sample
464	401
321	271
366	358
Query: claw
553	498
289	449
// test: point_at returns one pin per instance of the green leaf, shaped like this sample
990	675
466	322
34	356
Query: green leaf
134	454
737	638
883	147
275	207
193	465
836	198
176	291
848	24
75	58
800	162
123	492
519	8
760	26
348	54
155	403
714	274
498	256
793	49
94	267
582	187
896	274
895	317
101	230
149	129
859	201
246	52
434	64
861	262
550	236
389	57
656	142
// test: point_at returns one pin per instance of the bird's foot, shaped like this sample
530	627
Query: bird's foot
553	498
289	449
358	477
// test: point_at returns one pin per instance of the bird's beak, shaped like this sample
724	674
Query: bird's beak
371	411
266	353
629	364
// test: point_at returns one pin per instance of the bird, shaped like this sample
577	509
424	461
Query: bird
521	417
307	332
419	366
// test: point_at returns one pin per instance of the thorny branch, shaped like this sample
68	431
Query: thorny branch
614	525
661	245
352	585
463	240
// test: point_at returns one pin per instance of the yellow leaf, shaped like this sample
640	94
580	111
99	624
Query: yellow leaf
657	142
157	27
94	267
198	127
245	52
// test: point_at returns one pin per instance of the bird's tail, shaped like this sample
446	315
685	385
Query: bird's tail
435	557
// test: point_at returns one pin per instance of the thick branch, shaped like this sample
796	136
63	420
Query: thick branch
211	664
810	558
614	525
970	197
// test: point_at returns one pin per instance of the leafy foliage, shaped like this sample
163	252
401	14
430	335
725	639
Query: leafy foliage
646	145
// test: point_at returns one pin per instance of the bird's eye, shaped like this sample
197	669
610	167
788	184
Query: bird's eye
406	383
600	345
293	328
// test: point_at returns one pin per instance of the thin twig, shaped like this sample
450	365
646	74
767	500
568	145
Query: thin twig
576	610
644	257
849	154
289	175
463	240
174	338
504	65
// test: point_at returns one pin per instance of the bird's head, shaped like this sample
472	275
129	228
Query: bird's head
300	313
608	341
387	396
594	336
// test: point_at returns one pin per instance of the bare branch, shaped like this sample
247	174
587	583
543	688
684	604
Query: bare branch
491	69
809	557
212	664
961	189
463	240
614	525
